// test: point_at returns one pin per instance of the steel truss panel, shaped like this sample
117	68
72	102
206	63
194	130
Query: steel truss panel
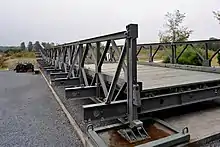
66	82
174	56
80	92
71	57
148	105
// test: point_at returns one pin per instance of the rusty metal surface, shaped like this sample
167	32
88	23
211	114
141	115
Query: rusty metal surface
114	139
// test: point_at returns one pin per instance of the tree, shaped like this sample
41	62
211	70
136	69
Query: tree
37	46
22	46
30	46
175	32
217	15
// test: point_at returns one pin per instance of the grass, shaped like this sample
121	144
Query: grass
3	69
22	54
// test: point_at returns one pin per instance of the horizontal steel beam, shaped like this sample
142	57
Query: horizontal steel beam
104	111
47	67
65	82
178	43
58	75
119	108
48	71
80	92
150	92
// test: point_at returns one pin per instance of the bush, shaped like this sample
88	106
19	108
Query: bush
189	57
218	58
2	62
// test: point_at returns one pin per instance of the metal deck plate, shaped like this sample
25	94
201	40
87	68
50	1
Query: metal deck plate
156	77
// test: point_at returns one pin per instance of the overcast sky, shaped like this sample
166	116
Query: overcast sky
62	21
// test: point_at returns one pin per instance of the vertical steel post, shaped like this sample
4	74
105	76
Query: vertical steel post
174	47
64	58
110	52
60	57
150	54
172	54
206	51
132	35
80	55
52	57
207	62
72	51
69	54
56	58
98	70
48	52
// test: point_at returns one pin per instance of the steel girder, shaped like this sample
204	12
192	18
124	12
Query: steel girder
119	108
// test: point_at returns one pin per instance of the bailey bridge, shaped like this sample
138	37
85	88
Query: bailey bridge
134	101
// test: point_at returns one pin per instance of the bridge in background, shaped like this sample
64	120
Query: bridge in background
126	93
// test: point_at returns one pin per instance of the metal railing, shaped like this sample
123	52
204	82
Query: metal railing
70	57
170	50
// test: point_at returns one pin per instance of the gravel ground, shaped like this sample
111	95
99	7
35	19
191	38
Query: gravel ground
76	110
215	143
30	116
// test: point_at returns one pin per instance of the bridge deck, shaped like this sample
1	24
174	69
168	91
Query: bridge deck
157	77
199	130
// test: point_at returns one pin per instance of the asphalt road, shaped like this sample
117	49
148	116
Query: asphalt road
30	116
